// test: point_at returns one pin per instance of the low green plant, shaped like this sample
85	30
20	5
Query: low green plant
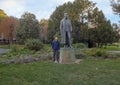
79	45
16	51
95	52
34	44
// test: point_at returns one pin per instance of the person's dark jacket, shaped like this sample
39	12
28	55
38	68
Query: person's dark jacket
55	45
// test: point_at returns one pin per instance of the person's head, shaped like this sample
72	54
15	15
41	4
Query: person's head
56	38
66	15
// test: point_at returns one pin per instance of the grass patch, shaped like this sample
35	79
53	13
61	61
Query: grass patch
79	45
95	52
88	72
4	46
116	48
7	46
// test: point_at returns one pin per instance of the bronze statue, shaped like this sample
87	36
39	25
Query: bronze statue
66	30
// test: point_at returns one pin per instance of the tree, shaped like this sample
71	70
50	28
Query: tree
116	30
2	15
103	32
83	12
44	30
28	28
74	10
8	27
54	22
116	6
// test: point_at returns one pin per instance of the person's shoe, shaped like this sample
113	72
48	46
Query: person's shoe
55	61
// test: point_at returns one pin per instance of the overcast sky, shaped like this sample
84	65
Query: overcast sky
44	8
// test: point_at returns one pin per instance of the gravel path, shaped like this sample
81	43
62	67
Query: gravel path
4	50
114	51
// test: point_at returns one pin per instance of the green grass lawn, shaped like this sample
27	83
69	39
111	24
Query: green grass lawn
116	48
7	47
4	46
88	72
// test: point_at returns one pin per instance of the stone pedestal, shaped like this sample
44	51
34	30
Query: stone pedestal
67	55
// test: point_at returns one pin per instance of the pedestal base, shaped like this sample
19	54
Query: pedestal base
67	55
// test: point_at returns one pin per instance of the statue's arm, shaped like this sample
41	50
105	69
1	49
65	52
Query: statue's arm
61	26
70	26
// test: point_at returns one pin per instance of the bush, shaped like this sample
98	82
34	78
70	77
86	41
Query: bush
17	50
113	55
80	45
34	44
14	49
96	52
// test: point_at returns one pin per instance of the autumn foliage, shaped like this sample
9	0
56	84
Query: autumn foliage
7	28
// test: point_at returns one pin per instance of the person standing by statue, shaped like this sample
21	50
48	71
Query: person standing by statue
56	48
66	30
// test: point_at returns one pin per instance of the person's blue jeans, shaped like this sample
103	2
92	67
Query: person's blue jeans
56	55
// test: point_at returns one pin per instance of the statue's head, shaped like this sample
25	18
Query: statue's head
66	15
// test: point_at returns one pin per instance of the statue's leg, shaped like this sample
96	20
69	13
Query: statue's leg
69	39
64	39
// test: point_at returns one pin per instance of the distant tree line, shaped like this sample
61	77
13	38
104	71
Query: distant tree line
89	25
116	6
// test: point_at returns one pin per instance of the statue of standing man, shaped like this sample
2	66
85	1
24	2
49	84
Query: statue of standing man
66	30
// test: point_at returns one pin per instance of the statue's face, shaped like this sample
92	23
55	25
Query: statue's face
66	16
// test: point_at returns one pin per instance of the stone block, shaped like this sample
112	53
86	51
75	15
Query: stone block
67	55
